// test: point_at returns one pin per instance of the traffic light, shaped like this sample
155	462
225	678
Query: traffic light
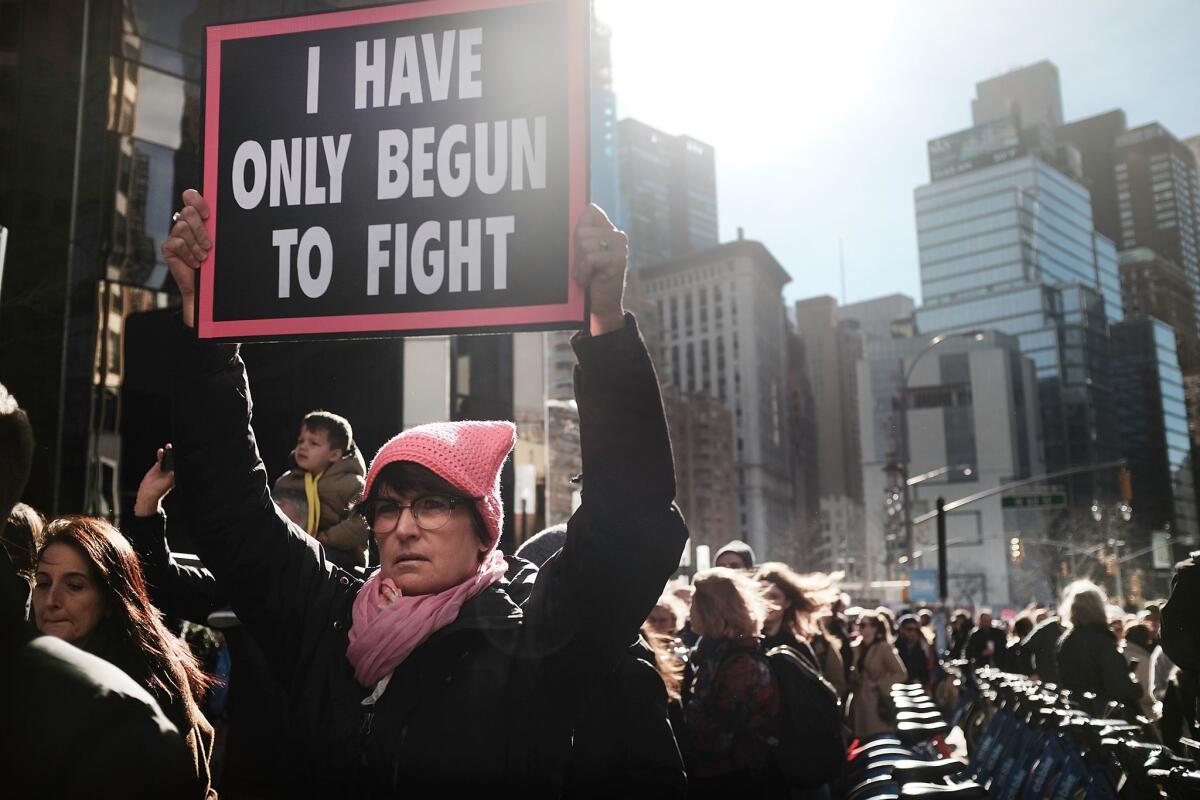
893	502
1015	552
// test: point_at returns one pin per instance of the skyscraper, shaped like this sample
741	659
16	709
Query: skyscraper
831	349
669	193
724	334
1033	92
1095	138
1158	196
1153	286
1007	242
604	183
1154	430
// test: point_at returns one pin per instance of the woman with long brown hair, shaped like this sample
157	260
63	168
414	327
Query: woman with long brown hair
89	590
876	667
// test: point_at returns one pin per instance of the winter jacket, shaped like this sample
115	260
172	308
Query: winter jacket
829	657
1039	650
1180	632
488	702
255	755
1088	661
345	535
1141	673
877	667
624	745
915	658
74	725
977	646
732	705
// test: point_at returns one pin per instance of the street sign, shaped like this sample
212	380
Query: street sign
922	585
1161	558
409	168
1034	501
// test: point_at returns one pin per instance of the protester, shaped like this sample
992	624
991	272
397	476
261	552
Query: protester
1014	659
960	633
914	651
927	630
89	591
328	470
430	676
1039	650
72	725
254	759
735	555
668	617
1136	651
837	625
792	619
877	667
987	643
22	537
1088	660
623	741
1180	638
732	703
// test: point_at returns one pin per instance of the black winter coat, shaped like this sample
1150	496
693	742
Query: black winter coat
488	702
74	725
1088	661
1039	650
256	755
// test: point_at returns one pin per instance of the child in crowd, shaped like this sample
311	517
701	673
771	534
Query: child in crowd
328	474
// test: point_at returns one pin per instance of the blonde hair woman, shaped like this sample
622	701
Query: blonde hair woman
732	702
1088	659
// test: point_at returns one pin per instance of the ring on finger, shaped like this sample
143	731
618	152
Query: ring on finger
175	216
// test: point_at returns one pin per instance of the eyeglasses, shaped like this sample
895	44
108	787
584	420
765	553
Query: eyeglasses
429	512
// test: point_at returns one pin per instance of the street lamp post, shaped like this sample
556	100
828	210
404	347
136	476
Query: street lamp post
903	457
1104	517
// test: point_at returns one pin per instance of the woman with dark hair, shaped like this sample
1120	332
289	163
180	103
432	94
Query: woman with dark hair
89	591
446	670
876	667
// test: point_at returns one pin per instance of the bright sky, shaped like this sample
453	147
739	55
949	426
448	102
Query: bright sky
820	111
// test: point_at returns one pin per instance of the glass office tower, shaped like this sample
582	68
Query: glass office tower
1007	243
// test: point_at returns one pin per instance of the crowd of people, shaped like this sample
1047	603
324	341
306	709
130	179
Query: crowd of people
356	630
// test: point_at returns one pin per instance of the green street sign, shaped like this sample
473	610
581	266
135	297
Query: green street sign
1034	501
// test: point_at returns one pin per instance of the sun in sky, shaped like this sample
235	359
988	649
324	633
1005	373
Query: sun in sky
754	79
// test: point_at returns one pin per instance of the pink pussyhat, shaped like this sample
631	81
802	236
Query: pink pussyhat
468	454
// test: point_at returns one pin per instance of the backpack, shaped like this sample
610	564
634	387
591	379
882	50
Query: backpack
811	748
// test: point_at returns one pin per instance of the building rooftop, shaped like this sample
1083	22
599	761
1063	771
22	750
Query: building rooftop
745	248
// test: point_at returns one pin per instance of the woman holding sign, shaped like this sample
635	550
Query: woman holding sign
449	667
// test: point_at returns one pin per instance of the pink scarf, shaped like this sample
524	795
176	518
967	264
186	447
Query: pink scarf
387	625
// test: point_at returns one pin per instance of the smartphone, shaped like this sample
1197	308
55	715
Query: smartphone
168	460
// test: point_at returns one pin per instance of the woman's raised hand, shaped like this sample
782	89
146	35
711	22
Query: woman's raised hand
601	256
186	246
155	485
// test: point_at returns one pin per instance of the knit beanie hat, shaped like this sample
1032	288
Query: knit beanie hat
740	549
467	454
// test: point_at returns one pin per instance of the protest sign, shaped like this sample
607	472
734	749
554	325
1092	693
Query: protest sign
407	168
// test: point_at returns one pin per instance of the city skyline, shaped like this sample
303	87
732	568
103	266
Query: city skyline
831	138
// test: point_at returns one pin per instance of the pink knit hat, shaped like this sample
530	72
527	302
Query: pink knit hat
467	454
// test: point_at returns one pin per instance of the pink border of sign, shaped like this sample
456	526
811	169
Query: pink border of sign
432	321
